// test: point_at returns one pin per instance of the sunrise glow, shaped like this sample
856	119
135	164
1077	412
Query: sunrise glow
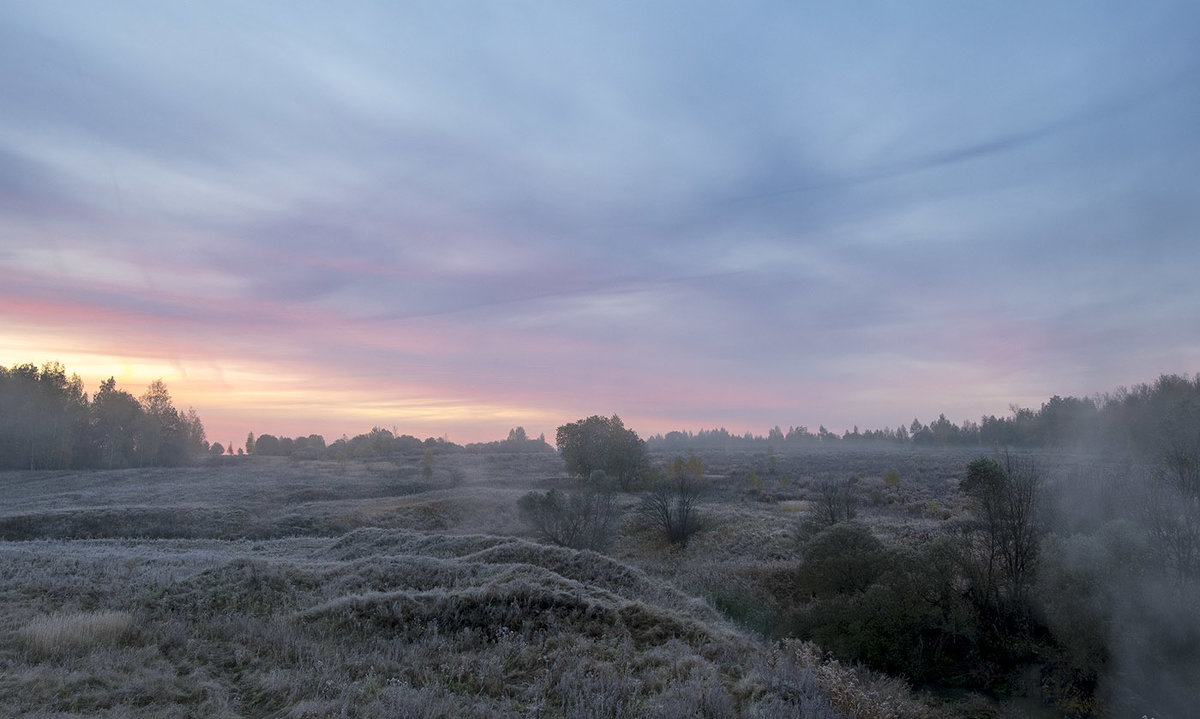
460	223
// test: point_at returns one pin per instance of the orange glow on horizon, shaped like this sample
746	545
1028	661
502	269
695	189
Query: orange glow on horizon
233	398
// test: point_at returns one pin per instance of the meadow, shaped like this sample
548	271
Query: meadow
263	586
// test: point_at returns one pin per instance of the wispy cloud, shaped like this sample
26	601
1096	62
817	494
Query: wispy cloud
464	217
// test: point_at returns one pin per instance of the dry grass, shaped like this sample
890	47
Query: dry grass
270	588
75	632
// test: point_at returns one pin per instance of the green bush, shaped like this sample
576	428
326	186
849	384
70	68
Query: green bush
894	609
842	559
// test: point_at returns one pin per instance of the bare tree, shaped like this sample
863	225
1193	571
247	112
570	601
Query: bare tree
1172	507
1172	520
671	504
1007	532
836	502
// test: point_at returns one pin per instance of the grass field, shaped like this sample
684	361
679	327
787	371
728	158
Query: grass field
267	587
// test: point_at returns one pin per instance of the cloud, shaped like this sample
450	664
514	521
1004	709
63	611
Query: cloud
856	213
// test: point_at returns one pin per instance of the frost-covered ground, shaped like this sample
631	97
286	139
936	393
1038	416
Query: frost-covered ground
264	587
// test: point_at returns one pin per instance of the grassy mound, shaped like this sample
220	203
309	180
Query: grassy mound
375	623
259	590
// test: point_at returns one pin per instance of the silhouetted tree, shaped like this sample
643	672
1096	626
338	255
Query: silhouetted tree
43	418
47	422
944	431
599	443
1067	422
116	419
267	445
1007	534
165	436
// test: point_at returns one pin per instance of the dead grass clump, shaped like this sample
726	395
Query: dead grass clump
858	692
783	683
243	586
119	522
112	682
75	633
373	541
529	604
425	513
408	572
589	568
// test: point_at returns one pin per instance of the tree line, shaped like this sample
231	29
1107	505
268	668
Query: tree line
48	421
378	443
1125	419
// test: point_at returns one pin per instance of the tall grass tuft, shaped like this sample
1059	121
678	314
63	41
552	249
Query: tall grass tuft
77	632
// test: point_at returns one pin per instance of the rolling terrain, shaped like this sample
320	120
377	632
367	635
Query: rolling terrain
269	587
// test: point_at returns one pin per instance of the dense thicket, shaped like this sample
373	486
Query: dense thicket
1141	419
48	422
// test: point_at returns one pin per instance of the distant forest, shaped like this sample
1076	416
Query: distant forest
378	442
47	421
1135	420
1129	419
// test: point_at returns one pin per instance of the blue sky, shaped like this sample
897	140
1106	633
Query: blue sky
454	218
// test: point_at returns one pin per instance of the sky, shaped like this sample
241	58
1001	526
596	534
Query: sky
453	218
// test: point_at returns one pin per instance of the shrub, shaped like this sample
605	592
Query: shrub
836	502
671	504
894	609
584	518
841	559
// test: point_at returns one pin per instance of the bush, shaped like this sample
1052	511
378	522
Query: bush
836	502
841	559
894	609
671	504
584	518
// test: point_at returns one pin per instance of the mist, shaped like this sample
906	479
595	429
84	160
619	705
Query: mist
1121	562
